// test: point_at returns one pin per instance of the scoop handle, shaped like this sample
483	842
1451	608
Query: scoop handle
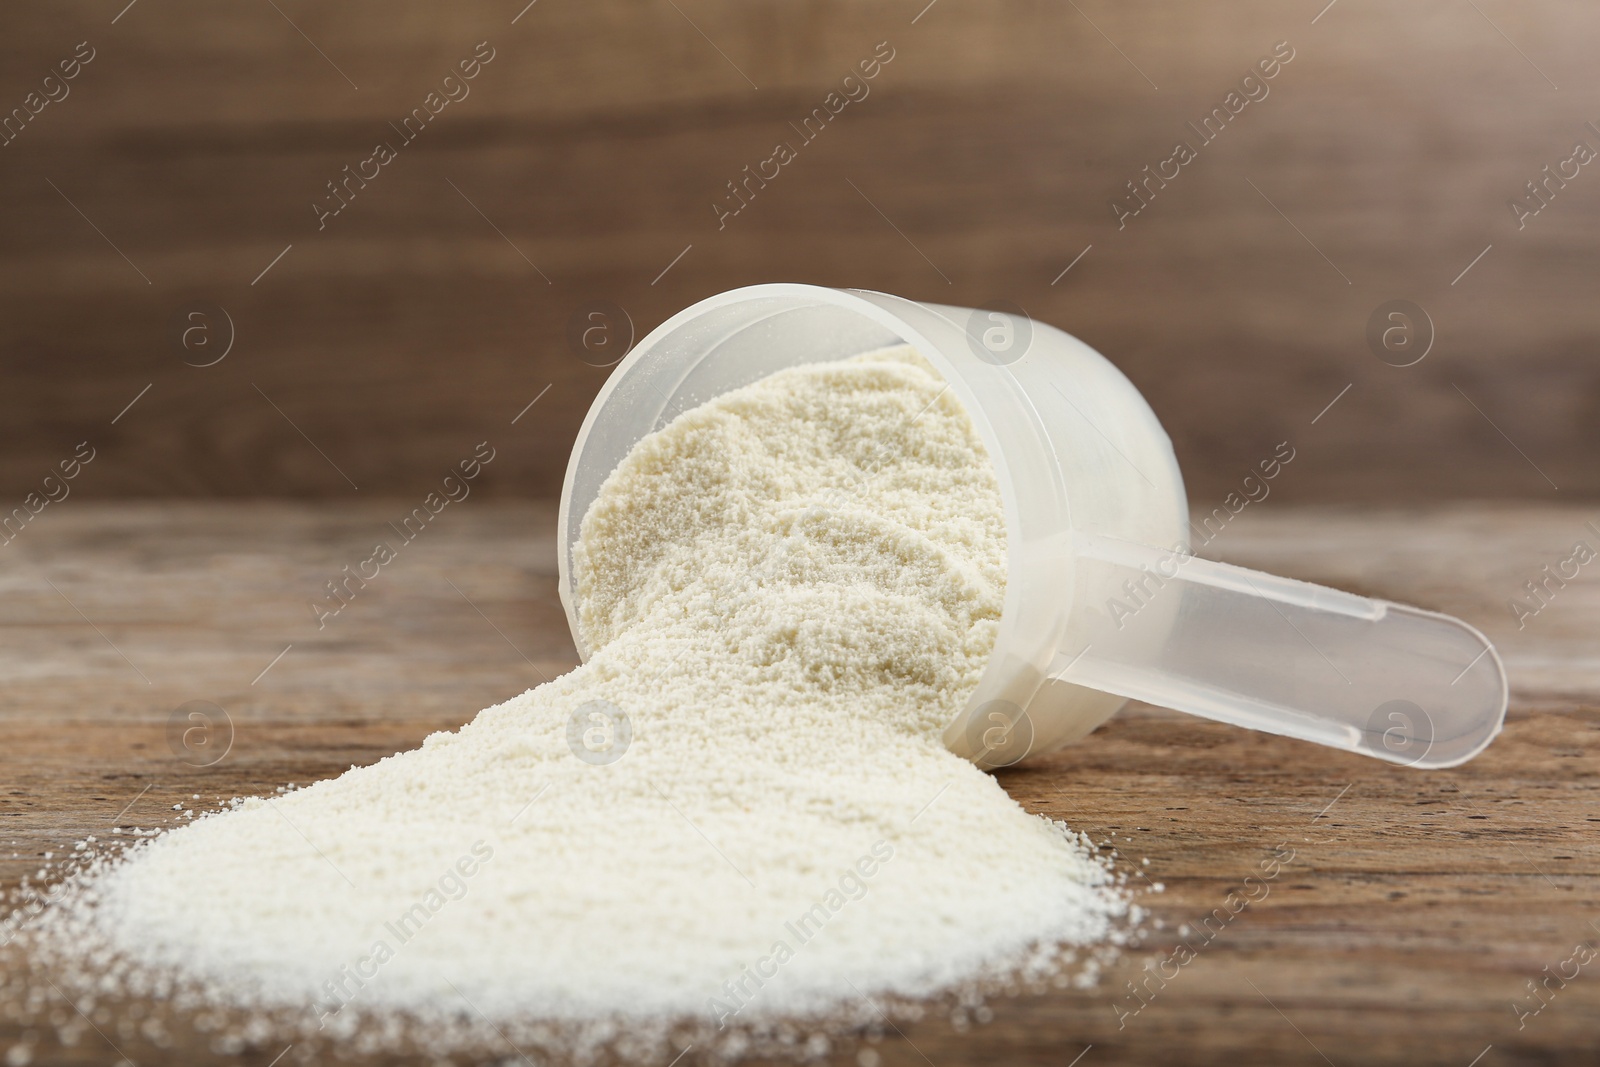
1286	657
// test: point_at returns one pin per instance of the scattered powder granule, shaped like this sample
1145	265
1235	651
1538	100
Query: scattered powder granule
735	824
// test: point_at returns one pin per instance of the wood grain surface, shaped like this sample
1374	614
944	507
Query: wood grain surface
590	155
1416	907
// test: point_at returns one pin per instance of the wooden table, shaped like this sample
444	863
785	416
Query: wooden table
1416	907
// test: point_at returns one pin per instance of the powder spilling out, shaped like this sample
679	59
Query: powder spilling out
737	812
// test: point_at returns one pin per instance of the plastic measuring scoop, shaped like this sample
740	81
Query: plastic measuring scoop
1104	601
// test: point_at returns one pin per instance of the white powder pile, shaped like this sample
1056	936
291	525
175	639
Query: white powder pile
737	811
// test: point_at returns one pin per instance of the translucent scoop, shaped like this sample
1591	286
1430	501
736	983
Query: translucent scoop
1104	600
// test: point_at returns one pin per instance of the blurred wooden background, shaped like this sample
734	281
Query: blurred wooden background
591	149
